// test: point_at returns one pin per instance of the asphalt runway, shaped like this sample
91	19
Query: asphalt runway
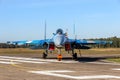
34	68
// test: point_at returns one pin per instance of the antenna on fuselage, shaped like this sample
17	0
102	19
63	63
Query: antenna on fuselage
45	30
66	33
74	31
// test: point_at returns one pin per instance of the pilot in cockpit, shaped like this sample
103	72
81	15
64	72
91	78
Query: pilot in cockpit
59	31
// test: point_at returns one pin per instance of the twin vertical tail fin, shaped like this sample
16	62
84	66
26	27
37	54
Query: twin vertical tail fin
74	32
45	30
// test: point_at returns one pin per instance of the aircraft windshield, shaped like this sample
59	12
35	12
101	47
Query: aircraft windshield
59	31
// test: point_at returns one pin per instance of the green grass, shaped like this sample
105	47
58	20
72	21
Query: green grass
117	60
103	51
19	50
90	51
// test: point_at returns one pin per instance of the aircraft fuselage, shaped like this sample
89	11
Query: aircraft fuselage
59	40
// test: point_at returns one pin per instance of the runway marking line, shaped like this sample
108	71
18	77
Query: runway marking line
23	68
4	62
23	61
56	74
117	69
103	63
37	60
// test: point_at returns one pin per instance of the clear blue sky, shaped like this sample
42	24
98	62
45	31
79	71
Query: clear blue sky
24	19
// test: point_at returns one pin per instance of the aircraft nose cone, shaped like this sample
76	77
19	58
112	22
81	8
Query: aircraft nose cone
58	40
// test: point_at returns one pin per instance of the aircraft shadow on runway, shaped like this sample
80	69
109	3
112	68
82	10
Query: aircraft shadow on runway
85	59
93	59
90	59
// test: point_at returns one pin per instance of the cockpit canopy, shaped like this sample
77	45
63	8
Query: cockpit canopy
59	31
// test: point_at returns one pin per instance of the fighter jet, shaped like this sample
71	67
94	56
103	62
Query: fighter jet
60	41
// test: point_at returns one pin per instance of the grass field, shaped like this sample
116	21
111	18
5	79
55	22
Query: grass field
90	51
19	50
103	51
117	60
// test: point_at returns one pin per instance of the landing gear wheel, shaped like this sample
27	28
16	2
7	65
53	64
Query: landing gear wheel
75	56
44	55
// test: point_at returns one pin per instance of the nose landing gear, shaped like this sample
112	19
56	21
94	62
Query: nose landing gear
59	57
74	55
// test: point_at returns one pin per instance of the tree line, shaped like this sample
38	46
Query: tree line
115	42
6	45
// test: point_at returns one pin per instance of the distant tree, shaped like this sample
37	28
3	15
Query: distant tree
115	42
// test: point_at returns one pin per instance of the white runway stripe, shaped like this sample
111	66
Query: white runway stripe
104	63
40	60
25	61
117	69
4	62
56	74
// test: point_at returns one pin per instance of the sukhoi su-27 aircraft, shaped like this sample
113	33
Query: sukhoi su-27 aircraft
60	41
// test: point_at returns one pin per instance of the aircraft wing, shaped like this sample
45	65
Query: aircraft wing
34	44
83	44
88	42
39	44
18	42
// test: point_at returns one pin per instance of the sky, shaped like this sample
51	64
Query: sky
25	19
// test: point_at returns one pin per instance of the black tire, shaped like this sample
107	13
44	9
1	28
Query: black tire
44	55
75	56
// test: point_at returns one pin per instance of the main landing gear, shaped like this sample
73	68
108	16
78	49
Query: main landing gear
74	55
59	57
45	54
